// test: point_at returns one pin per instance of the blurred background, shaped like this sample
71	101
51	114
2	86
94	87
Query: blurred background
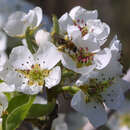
116	13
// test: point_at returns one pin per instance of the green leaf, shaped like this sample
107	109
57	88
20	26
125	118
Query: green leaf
17	111
32	46
38	110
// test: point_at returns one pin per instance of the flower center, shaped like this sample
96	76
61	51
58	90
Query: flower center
94	89
82	26
36	75
82	57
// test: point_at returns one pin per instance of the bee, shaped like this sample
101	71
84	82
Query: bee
64	43
70	45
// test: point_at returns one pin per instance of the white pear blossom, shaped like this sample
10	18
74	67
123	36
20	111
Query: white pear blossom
101	89
82	24
19	21
83	35
32	72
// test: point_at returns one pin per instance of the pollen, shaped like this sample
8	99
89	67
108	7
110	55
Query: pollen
35	75
84	31
82	26
83	57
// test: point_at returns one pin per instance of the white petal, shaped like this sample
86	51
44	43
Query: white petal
3	59
15	26
34	17
31	90
54	77
12	78
112	70
81	13
30	19
102	37
115	47
95	112
70	64
6	88
115	44
3	40
102	58
113	96
99	30
21	58
25	88
88	41
47	56
4	71
73	32
42	37
64	21
3	101
38	12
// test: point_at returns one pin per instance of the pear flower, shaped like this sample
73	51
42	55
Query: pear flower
101	90
29	73
82	24
19	21
81	38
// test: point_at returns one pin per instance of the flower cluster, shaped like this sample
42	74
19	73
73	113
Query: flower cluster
75	45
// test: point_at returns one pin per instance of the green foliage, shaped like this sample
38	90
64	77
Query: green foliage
17	111
38	110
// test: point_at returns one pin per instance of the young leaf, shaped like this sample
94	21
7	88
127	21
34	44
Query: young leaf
17	111
38	110
55	25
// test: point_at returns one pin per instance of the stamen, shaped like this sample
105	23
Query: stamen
35	75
